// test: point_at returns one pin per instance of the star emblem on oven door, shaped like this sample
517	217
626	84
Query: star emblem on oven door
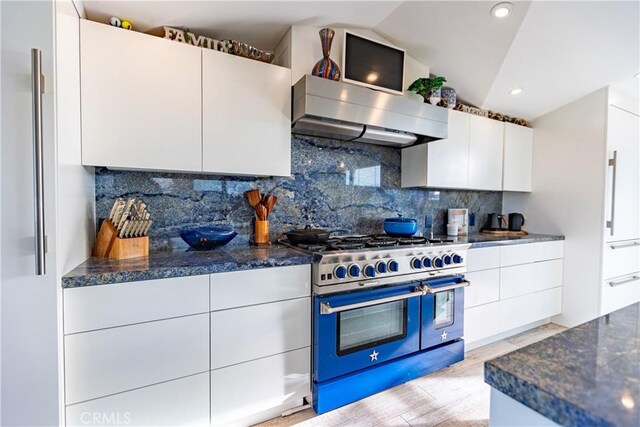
443	336
374	355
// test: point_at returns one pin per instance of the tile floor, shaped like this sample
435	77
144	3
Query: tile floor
456	396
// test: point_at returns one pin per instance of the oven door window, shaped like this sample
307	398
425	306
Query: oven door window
366	327
443	312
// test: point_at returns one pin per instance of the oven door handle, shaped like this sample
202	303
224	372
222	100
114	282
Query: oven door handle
429	290
325	307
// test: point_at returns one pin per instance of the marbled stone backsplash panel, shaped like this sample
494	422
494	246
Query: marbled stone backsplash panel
334	185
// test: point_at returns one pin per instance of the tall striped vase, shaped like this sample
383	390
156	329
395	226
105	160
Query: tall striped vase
326	68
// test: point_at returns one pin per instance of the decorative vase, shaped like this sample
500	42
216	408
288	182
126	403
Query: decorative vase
435	96
449	95
326	68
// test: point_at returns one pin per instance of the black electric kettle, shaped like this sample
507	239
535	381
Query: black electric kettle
494	221
516	221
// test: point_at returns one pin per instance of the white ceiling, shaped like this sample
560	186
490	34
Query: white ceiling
557	51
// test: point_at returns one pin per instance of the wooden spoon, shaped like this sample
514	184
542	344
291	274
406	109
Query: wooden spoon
269	201
253	197
261	211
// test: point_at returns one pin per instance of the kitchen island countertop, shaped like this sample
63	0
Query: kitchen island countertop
167	264
587	375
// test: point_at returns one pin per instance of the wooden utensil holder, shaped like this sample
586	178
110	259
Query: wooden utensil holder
261	232
109	245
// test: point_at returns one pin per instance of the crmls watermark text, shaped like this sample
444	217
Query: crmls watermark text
106	418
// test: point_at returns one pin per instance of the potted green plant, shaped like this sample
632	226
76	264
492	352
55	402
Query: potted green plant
429	88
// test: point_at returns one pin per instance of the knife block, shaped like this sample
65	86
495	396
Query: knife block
109	245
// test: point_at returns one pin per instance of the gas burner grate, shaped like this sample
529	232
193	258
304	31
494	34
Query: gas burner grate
412	240
346	245
355	239
381	243
312	247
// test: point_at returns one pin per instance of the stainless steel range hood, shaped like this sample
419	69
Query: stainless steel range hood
348	112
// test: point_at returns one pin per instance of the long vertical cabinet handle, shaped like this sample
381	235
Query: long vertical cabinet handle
38	172
613	163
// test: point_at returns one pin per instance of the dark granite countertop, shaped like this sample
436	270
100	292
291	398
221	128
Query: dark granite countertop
162	265
587	375
481	240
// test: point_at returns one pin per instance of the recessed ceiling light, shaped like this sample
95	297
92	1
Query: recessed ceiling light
516	91
501	10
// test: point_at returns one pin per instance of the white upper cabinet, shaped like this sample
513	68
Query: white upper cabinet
518	158
485	153
623	176
442	163
246	110
141	100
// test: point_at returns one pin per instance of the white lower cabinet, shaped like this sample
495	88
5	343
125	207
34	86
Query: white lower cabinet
108	361
255	391
620	292
227	348
525	288
183	402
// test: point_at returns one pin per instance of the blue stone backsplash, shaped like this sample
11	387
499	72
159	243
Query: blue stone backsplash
334	185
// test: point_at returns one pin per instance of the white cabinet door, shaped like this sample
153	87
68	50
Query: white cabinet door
246	111
182	402
485	153
483	258
248	333
108	361
518	158
448	159
251	392
621	258
528	278
141	100
531	252
623	142
443	163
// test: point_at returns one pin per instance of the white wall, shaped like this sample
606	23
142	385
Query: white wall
569	152
300	49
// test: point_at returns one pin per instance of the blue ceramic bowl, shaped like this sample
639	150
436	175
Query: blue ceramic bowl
400	227
204	238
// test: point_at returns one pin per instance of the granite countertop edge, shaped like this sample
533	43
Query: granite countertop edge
487	240
551	406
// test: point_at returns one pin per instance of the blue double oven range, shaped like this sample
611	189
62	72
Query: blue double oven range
386	310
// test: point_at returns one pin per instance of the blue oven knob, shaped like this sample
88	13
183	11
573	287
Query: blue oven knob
369	271
447	259
457	259
354	270
381	266
438	263
393	266
416	264
340	272
426	262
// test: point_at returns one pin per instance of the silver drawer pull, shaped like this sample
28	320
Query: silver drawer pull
623	281
38	161
429	290
325	307
625	245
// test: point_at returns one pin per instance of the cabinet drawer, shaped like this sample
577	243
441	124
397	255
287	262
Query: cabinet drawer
242	288
100	363
482	322
525	309
183	402
247	333
621	258
483	258
528	278
531	252
97	307
485	288
255	391
620	292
